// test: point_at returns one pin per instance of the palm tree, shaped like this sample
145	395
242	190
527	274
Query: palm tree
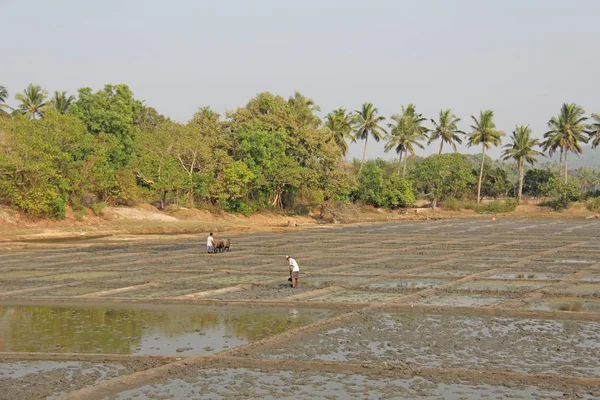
486	134
446	130
339	124
61	102
32	101
3	105
595	131
522	150
367	122
405	134
566	132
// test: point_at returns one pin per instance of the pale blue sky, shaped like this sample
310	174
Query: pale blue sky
522	59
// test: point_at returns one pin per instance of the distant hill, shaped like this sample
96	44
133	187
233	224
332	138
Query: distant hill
589	158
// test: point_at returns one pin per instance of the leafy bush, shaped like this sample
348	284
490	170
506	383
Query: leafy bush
452	204
496	207
58	207
560	194
594	205
98	207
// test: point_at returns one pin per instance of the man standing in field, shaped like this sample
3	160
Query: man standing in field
210	244
294	270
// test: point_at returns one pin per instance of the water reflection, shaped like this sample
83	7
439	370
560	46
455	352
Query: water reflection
157	330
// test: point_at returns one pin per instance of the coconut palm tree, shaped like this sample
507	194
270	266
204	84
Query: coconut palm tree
405	134
522	150
32	101
366	122
595	131
446	129
484	133
340	125
566	132
62	102
3	106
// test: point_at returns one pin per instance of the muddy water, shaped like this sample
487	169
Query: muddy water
567	304
455	341
49	379
255	384
152	330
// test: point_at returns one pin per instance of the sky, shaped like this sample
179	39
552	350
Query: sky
522	59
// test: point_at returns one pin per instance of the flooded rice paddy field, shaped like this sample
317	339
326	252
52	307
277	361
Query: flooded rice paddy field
431	309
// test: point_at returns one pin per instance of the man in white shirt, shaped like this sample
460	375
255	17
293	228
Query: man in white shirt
294	270
210	243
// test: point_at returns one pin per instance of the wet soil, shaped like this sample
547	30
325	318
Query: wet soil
523	345
476	310
256	384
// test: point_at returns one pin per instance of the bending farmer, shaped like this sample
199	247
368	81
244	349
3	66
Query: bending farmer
294	270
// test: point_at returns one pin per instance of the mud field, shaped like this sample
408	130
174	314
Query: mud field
456	309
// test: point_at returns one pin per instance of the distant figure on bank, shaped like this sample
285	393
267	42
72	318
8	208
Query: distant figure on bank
493	218
294	270
210	244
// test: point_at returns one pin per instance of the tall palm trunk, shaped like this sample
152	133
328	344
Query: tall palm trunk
399	161
480	174
560	164
364	155
441	146
404	167
566	170
521	177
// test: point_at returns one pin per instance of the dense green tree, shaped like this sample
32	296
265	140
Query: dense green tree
484	132
594	130
567	132
32	102
495	181
405	134
381	189
264	152
366	123
62	102
534	181
155	160
560	194
340	127
304	110
446	129
110	112
46	163
521	150
443	176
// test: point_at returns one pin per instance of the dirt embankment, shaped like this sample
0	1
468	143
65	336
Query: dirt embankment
145	219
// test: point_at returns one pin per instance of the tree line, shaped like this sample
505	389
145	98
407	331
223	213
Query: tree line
106	147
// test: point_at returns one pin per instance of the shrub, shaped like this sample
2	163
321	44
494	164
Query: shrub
98	207
58	207
496	207
560	194
594	205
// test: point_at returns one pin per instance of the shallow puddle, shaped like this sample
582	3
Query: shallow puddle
408	283
51	379
567	304
500	286
529	275
355	296
457	300
153	330
581	289
523	345
324	281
